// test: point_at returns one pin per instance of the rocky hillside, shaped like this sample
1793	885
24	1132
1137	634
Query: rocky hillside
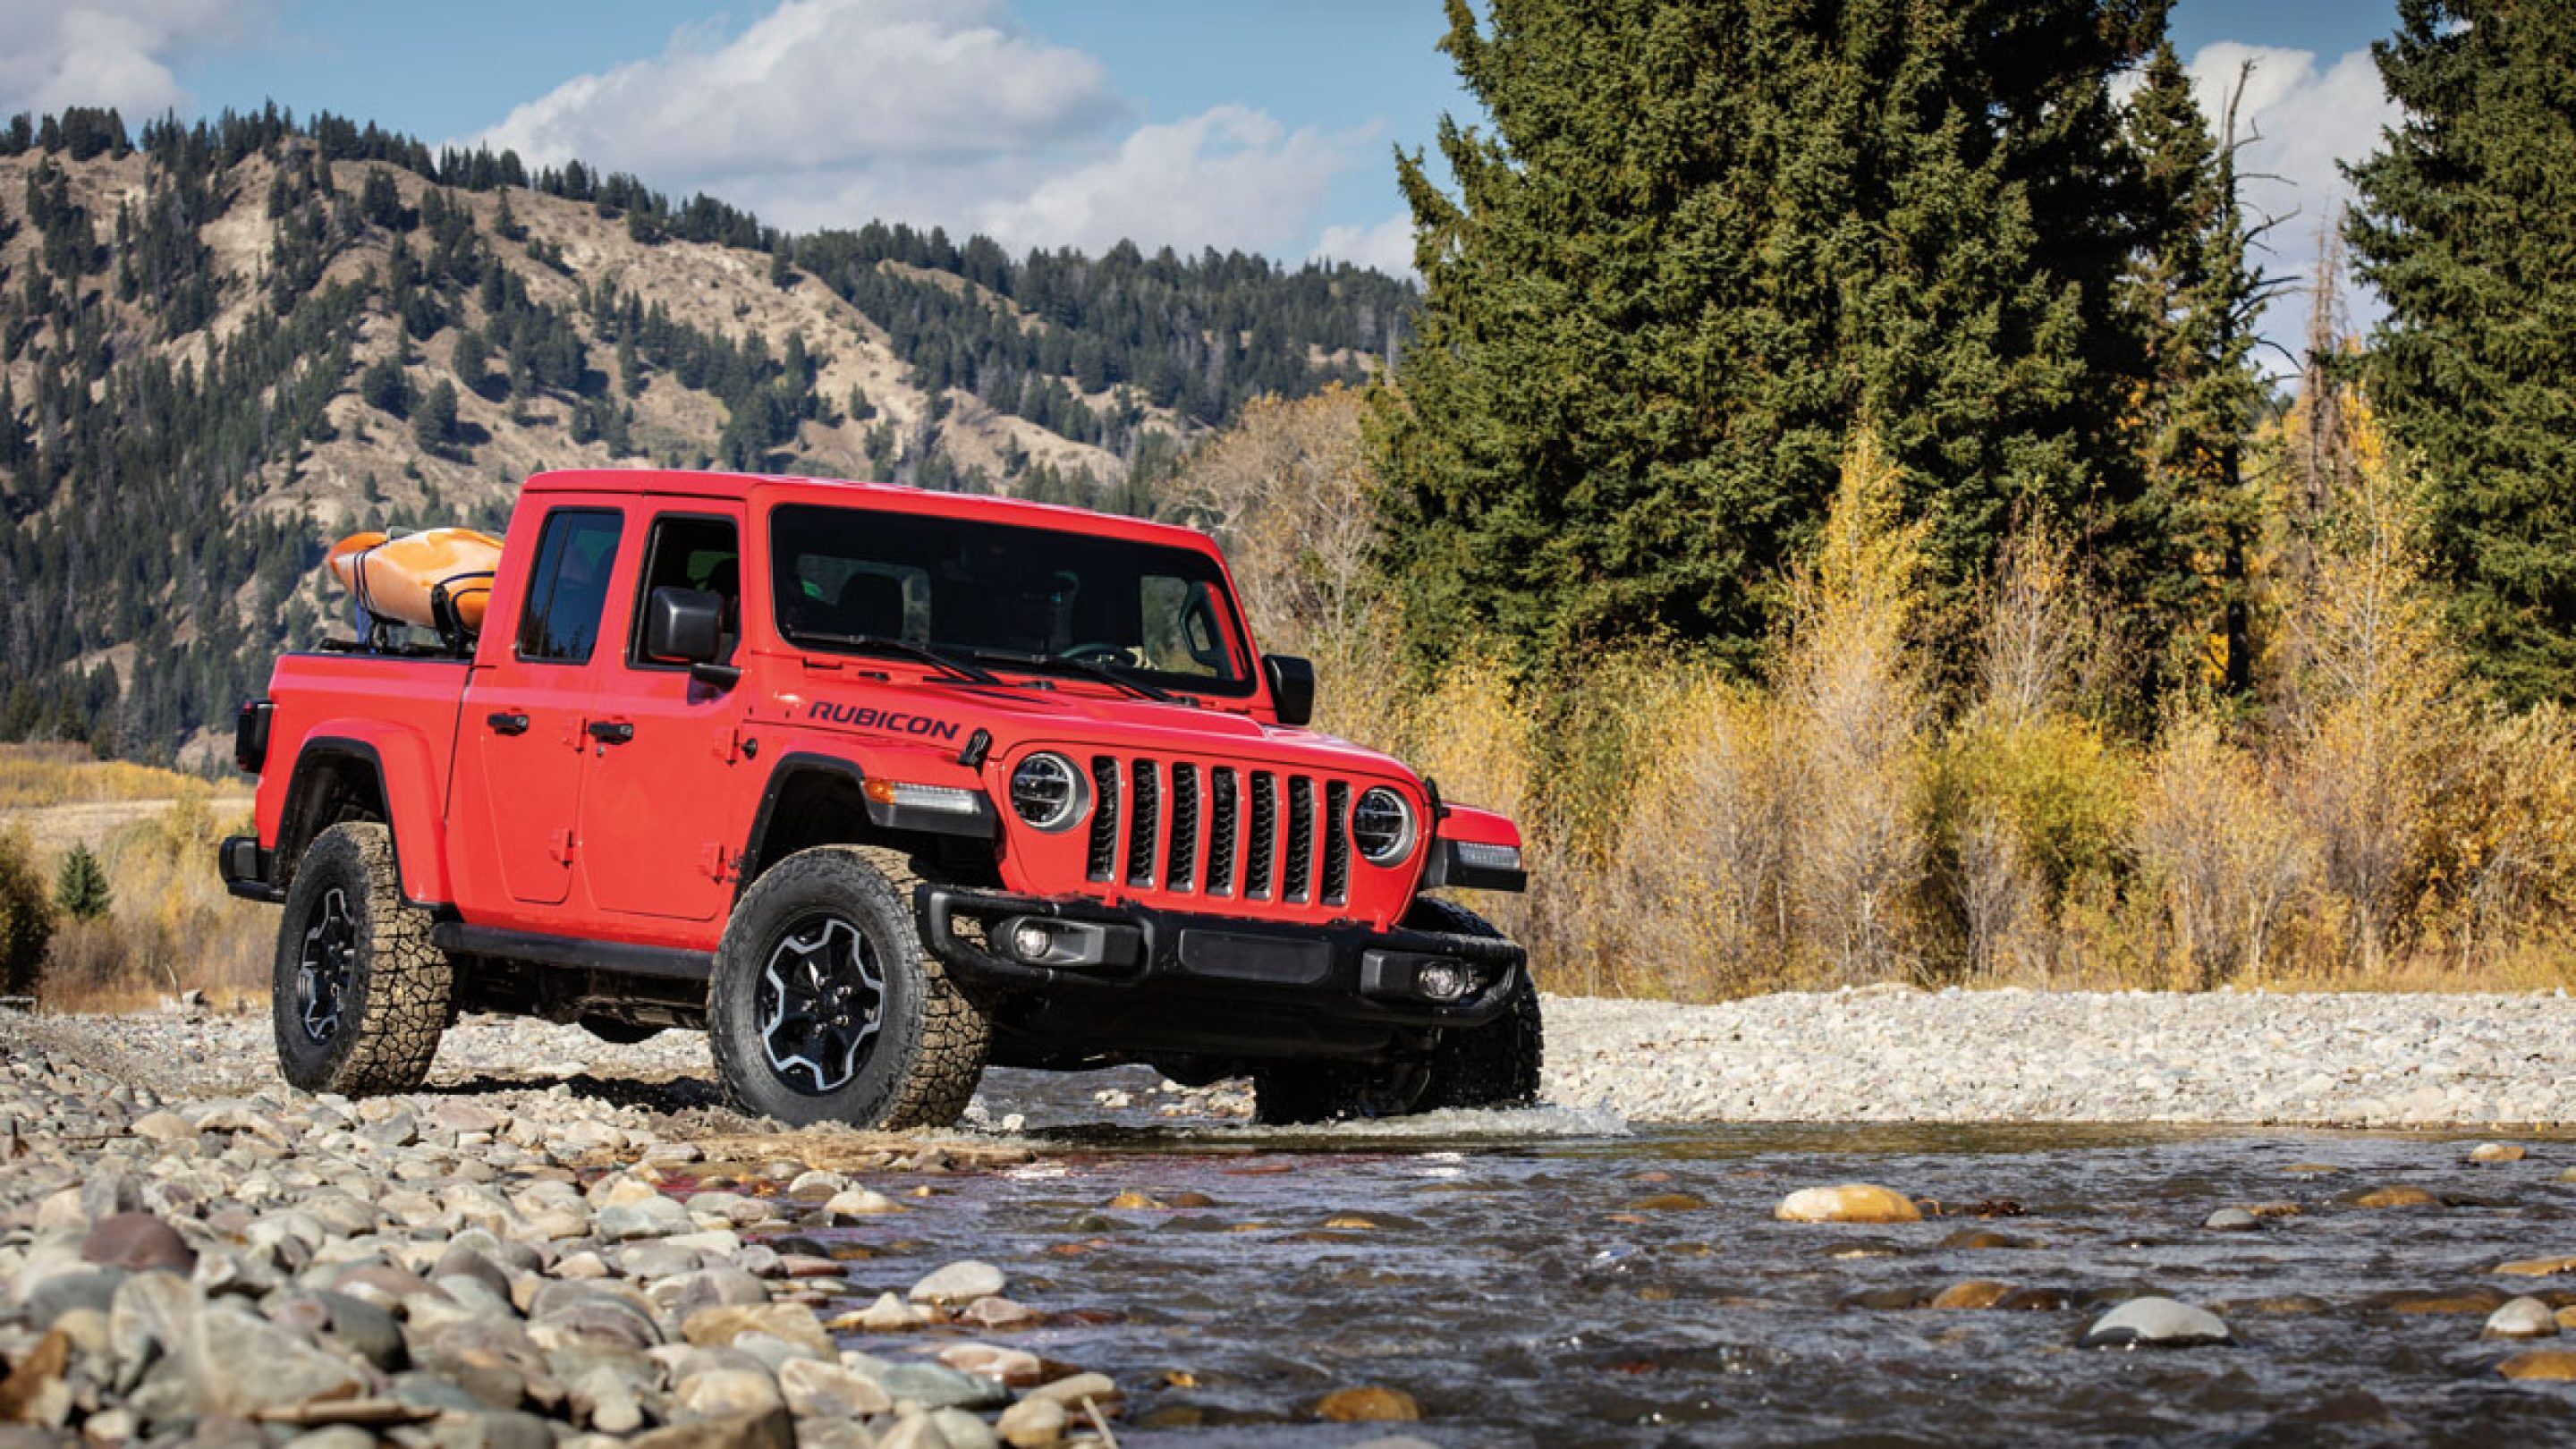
222	345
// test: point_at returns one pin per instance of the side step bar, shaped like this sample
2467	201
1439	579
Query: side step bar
661	961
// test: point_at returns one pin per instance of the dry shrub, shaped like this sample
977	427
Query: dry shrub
2216	849
34	776
2369	726
2026	812
1692	895
1855	715
2501	877
172	927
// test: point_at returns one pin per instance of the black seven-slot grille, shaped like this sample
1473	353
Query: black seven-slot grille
1257	835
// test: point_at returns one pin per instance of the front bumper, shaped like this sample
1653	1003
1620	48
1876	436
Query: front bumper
1216	983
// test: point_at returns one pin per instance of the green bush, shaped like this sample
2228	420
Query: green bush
26	916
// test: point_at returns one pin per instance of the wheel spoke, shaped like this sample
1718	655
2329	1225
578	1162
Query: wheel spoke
819	1001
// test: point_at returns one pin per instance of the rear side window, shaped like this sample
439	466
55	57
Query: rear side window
568	588
690	551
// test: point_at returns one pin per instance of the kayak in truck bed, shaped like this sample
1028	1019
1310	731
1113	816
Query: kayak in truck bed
404	580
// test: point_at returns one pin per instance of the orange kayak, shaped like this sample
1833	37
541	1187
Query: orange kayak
394	578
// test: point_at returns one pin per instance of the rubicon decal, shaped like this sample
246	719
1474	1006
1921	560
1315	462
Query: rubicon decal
891	721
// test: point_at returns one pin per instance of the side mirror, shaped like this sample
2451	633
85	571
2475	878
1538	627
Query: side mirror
686	626
1292	687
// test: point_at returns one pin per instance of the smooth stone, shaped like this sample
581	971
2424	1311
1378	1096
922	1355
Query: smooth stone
1853	1202
1017	1368
2497	1152
792	1322
719	1392
2545	1365
934	1387
997	1314
2397	1197
959	1282
769	1428
1033	1424
2160	1322
1974	1293
2537	1267
658	1218
2522	1318
1370	1405
606	1401
860	1203
2232	1220
1072	1392
137	1242
815	1389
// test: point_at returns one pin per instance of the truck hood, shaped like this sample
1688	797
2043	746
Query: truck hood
937	712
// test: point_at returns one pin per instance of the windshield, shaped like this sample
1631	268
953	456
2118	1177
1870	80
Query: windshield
1009	597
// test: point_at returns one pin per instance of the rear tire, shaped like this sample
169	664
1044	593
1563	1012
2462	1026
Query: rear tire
826	1008
358	995
1494	1065
1303	1094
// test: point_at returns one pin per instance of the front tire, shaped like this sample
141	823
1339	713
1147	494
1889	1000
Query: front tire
826	1008
358	995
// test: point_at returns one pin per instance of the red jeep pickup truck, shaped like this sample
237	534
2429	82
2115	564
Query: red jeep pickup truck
876	786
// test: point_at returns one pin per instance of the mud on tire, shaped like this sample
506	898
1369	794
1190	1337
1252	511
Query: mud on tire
358	995
825	1007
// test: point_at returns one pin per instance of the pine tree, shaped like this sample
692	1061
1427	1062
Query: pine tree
2183	552
433	423
384	387
2463	227
80	888
1696	245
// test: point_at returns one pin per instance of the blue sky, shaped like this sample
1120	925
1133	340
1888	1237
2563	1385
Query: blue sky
1260	123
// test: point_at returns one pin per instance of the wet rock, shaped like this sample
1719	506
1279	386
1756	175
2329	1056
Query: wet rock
1974	1293
1016	1368
1370	1405
1033	1424
2397	1197
1668	1202
2545	1365
2232	1220
959	1282
861	1203
934	1387
1132	1201
994	1314
2468	1300
2157	1322
138	1242
2522	1318
2537	1267
1081	1389
605	1399
815	1389
2496	1152
1982	1238
1854	1202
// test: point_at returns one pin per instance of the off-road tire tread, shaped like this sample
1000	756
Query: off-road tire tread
1494	1065
406	982
955	1037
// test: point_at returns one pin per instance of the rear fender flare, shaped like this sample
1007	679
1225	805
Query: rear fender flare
405	773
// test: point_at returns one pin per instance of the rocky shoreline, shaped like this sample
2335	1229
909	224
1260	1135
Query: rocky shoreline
565	1242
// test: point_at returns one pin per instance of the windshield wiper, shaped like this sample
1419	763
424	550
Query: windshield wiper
902	649
1088	668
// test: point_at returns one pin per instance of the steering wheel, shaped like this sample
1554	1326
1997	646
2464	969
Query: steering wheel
1102	653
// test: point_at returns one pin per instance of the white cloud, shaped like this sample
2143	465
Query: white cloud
1227	177
818	84
110	52
1387	246
2301	120
935	112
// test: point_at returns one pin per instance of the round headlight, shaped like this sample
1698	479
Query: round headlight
1382	826
1047	792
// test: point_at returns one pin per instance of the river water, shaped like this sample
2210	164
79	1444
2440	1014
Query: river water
1552	1277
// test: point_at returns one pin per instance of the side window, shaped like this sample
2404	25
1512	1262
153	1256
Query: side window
568	588
690	551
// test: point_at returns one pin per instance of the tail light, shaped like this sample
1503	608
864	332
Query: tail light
250	736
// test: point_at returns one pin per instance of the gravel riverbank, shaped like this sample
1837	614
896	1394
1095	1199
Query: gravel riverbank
564	1242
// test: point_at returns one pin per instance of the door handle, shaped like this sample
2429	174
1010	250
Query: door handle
505	723
611	731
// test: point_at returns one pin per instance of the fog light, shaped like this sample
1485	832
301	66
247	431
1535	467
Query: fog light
1032	941
1444	981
